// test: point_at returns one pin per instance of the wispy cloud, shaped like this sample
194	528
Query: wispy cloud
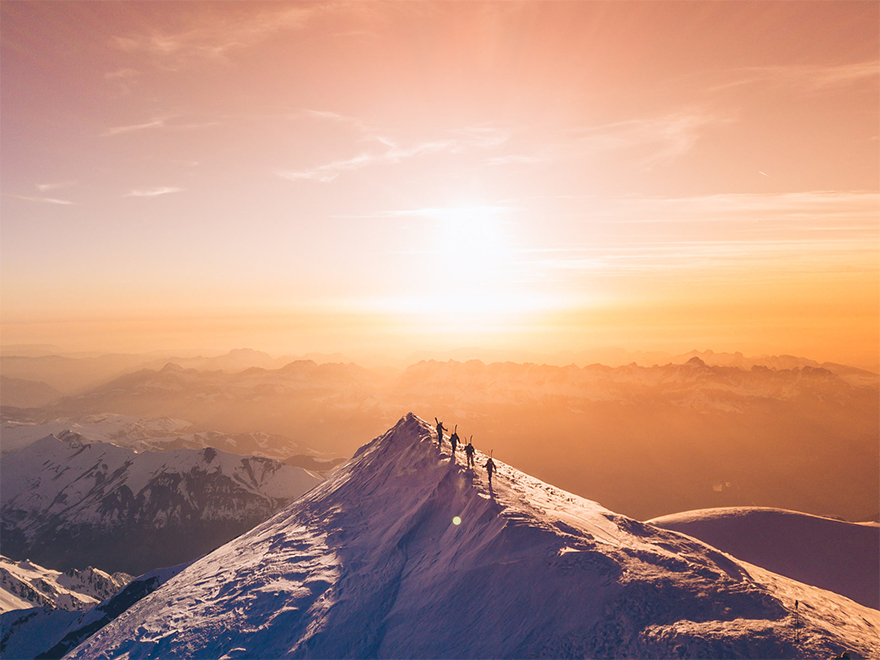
664	138
158	123
800	232
153	192
459	140
807	77
124	72
45	200
131	128
435	213
213	39
43	187
514	159
392	155
336	117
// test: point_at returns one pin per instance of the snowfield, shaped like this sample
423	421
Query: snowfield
370	564
833	554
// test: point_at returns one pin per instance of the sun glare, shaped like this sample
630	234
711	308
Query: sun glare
472	244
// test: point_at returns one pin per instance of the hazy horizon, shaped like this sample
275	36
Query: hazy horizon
377	179
612	356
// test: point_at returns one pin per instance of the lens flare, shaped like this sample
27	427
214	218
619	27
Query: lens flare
456	520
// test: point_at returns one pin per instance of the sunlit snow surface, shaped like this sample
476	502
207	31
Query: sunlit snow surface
369	564
24	584
840	556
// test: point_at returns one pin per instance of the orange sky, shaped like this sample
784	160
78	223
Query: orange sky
376	178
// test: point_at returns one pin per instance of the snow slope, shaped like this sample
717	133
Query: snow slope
69	503
839	556
49	633
24	584
371	564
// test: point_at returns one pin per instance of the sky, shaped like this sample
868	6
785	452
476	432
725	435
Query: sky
377	178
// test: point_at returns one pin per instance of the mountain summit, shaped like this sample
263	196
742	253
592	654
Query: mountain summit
371	563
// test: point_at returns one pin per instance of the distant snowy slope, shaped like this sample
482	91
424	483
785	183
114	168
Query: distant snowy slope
69	503
839	556
49	633
371	563
24	584
116	429
148	434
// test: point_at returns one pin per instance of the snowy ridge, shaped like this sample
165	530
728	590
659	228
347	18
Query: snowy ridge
24	584
370	564
67	502
833	554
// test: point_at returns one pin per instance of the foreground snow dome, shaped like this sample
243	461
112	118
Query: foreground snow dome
370	564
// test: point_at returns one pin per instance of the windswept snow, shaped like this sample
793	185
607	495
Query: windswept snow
839	556
370	564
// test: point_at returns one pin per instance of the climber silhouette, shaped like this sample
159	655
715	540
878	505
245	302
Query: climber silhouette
469	450
453	440
490	468
440	429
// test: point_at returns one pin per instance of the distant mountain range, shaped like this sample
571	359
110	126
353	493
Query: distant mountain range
69	503
693	435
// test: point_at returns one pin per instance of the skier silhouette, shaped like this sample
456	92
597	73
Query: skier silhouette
490	468
440	429
469	450
453	440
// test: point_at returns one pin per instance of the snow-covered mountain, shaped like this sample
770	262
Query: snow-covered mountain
24	584
145	434
404	552
45	632
840	556
69	503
